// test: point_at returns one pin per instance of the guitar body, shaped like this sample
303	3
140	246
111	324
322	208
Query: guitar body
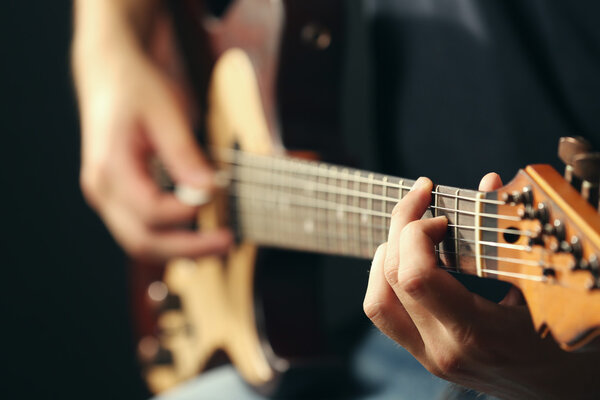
256	307
263	309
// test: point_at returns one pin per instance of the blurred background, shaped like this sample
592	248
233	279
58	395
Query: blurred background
64	279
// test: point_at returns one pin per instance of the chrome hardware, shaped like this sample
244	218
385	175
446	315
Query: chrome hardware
586	167
568	148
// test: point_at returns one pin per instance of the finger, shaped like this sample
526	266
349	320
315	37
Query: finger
417	259
140	191
426	290
410	208
182	243
490	182
174	141
159	245
385	310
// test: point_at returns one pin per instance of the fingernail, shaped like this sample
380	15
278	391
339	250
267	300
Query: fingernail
419	183
192	196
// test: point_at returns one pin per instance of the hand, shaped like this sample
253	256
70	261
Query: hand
457	335
132	110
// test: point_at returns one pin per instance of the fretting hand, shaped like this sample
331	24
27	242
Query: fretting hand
457	335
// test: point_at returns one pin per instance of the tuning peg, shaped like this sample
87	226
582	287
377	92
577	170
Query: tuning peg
568	148
586	166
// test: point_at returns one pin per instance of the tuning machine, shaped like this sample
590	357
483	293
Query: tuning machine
582	169
568	148
586	167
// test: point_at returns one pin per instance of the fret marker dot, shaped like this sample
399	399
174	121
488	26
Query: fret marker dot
309	226
364	218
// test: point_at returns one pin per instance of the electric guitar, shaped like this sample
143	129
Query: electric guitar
540	232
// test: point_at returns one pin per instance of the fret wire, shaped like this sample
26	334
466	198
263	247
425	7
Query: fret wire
343	216
457	258
478	237
494	216
384	207
400	191
325	212
328	213
435	210
358	214
370	207
292	164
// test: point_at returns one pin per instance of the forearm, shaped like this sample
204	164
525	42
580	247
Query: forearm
102	27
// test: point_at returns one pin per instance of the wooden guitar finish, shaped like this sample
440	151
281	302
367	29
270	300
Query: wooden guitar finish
537	232
280	66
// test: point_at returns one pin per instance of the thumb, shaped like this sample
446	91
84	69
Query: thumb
173	140
490	182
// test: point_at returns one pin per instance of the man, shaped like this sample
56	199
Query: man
507	76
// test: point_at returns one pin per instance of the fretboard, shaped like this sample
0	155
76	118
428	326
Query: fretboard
318	207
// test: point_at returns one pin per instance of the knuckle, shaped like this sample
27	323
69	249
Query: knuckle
465	336
413	283
390	271
446	364
375	309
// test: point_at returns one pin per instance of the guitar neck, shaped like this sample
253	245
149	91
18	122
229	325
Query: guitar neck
318	207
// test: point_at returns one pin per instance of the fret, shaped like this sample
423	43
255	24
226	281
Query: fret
287	195
478	234
343	215
370	217
456	225
358	215
384	209
322	220
331	214
435	214
401	192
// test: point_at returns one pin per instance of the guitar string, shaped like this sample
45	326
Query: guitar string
299	166
317	187
373	212
358	209
341	237
266	198
516	275
528	263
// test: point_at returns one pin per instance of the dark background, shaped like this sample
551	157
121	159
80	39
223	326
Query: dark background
64	279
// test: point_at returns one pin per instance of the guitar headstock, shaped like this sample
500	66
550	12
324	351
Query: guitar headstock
548	243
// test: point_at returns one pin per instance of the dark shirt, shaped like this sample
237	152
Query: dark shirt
464	87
